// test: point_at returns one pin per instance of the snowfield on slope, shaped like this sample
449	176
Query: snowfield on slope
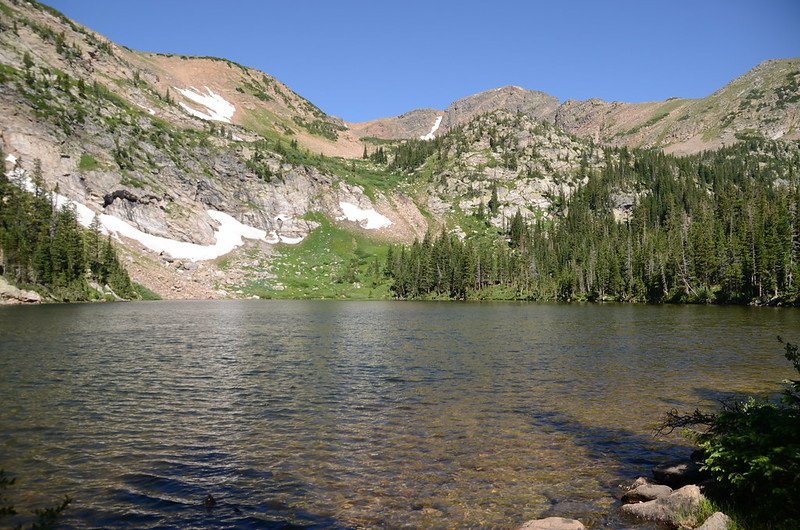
228	235
219	109
430	135
369	219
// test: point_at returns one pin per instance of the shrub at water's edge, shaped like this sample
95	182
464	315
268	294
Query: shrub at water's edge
751	448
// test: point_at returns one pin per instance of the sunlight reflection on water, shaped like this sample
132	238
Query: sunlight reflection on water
328	414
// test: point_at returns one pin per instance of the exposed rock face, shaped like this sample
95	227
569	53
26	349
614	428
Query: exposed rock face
11	295
112	133
420	122
413	124
675	509
529	164
553	523
764	101
537	105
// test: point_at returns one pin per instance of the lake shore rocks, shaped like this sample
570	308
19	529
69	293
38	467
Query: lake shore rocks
676	509
12	295
679	474
717	521
553	523
646	492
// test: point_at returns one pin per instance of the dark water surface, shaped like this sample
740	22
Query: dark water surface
351	414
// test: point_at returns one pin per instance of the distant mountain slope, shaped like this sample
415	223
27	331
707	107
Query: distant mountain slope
252	99
765	101
421	122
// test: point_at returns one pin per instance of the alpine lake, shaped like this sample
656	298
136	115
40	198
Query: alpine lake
328	414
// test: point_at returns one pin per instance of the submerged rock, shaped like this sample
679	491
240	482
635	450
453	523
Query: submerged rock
646	492
678	474
553	523
674	509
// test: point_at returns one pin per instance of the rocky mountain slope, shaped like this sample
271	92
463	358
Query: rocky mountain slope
423	122
172	87
765	101
213	177
162	149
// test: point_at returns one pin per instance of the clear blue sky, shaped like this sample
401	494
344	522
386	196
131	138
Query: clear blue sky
363	59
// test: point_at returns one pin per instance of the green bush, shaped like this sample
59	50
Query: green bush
752	449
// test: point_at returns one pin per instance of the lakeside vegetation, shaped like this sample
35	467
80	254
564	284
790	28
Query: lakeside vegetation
718	227
751	449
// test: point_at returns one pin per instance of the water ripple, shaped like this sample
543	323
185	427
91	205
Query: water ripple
357	415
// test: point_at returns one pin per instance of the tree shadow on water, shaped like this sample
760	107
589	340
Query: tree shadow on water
622	453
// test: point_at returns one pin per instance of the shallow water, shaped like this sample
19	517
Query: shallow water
359	414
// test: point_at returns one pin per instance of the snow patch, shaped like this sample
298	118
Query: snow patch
219	109
369	219
430	135
228	235
275	238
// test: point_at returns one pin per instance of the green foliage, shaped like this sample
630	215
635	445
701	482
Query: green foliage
87	163
411	154
718	227
752	449
45	247
144	293
330	262
319	127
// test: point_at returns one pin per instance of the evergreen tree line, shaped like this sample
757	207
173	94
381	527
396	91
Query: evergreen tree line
44	247
718	227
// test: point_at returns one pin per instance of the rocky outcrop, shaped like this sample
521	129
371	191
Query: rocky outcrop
675	509
413	124
646	492
717	521
765	101
553	523
12	295
420	122
514	99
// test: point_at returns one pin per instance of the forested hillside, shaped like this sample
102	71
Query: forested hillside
719	227
44	247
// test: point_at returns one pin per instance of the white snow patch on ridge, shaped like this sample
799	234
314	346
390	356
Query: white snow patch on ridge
430	135
228	235
369	219
219	109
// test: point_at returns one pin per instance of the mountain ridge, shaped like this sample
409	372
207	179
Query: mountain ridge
181	157
640	124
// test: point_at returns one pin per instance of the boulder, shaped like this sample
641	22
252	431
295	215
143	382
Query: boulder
553	523
717	521
675	509
646	492
12	295
678	474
